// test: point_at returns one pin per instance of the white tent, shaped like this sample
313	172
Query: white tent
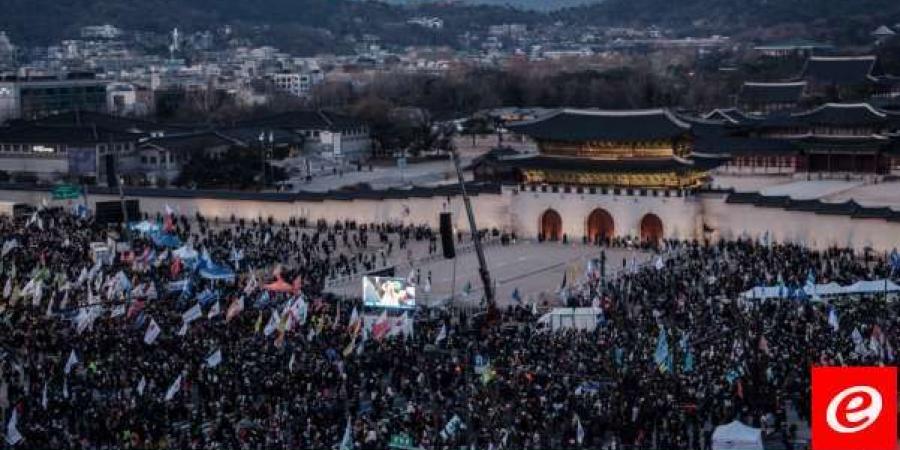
825	289
871	287
570	318
737	436
186	252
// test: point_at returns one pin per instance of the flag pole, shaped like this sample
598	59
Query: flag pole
453	284
476	238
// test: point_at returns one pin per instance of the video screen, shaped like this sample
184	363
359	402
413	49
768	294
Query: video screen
388	292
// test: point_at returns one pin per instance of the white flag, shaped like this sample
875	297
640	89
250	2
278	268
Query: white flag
71	362
119	310
183	330
13	436
7	289
141	385
174	388
272	324
192	314
659	266
291	363
214	311
347	440
152	333
44	396
214	359
579	430
441	335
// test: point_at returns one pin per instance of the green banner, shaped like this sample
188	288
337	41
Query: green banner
66	192
401	441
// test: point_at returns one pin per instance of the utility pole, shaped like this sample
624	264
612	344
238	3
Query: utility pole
124	209
262	158
476	238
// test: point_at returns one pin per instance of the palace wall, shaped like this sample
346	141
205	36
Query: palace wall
814	230
521	211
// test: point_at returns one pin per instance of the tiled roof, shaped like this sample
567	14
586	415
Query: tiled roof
583	124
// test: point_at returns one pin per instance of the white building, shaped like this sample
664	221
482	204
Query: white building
100	32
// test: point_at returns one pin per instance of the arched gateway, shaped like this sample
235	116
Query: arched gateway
551	225
600	226
651	229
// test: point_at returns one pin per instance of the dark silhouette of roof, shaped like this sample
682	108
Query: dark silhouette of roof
190	142
305	120
839	70
769	93
63	135
585	125
843	114
107	121
848	208
611	165
472	188
743	145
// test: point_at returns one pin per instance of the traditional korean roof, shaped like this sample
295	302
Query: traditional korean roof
871	143
614	166
847	208
843	114
305	120
189	142
741	145
106	121
730	115
839	69
600	125
35	134
768	93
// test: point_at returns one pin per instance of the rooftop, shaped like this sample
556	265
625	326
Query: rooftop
839	69
763	93
600	125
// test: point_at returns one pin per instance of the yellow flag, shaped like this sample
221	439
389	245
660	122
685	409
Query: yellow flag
258	326
349	349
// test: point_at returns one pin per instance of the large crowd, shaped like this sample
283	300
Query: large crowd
269	361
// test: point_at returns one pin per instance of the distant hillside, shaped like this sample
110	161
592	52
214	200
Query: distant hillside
534	5
844	21
303	26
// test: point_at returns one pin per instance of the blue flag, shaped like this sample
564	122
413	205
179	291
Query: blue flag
516	296
662	357
263	301
618	353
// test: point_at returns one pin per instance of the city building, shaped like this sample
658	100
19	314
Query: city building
324	133
32	98
835	140
100	32
765	98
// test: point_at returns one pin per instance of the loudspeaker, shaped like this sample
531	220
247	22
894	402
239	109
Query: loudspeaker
111	212
111	179
447	236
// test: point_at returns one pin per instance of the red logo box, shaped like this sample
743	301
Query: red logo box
854	408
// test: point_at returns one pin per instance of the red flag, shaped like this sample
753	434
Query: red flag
237	305
740	389
168	222
134	309
176	267
381	327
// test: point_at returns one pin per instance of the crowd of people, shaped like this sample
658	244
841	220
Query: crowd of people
137	349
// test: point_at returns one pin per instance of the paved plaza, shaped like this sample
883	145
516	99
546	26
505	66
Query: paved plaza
535	269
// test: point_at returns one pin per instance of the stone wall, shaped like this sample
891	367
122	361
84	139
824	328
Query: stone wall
520	211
